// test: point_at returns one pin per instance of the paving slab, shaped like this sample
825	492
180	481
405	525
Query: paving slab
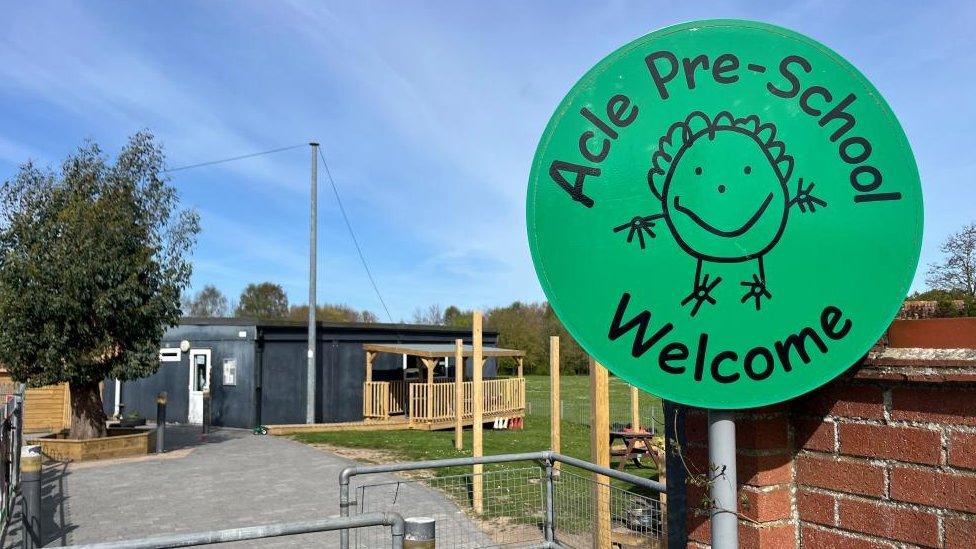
229	478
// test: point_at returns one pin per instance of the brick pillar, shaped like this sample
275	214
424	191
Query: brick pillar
884	456
765	469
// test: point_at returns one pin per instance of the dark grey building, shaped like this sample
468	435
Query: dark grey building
256	370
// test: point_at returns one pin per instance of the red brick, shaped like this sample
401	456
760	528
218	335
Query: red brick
821	538
764	470
765	506
698	526
840	398
813	434
777	535
959	533
766	433
962	450
888	521
696	457
696	425
814	507
935	488
885	441
934	405
844	476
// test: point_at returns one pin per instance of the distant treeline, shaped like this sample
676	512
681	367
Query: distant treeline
524	326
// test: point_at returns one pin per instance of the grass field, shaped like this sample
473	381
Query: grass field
422	445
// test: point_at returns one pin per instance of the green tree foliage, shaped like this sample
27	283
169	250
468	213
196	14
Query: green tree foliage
527	326
264	300
333	313
207	303
957	271
92	264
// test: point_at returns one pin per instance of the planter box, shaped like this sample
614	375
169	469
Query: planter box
132	422
119	443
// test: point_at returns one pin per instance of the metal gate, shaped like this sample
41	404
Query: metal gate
539	499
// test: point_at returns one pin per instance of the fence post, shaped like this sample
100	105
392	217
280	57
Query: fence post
18	436
555	398
459	394
550	525
419	533
600	451
160	420
344	506
30	496
477	403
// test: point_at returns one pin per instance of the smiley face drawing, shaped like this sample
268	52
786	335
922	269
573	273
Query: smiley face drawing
723	186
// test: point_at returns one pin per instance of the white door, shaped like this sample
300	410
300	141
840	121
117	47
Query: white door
199	382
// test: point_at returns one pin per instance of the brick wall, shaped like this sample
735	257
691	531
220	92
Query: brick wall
884	456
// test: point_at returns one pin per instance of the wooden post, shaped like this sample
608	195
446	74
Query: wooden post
370	355
555	401
634	409
477	401
600	448
520	361
430	364
459	394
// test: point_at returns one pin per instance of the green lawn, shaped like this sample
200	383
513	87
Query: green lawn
422	445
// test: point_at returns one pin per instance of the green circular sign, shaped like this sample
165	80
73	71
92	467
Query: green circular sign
725	213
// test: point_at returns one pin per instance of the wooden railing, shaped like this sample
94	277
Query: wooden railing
398	396
376	399
434	403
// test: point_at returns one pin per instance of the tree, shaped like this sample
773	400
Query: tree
957	273
333	313
432	315
93	259
207	303
264	300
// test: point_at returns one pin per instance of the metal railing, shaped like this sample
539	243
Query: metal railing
11	438
521	506
392	520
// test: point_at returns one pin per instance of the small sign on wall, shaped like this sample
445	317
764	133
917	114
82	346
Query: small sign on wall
230	371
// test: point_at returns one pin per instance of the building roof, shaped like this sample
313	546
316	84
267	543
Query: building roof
438	350
287	323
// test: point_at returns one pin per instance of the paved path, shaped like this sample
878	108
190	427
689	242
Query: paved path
232	479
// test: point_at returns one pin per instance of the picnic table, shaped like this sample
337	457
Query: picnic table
637	444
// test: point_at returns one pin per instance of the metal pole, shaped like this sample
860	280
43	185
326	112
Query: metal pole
550	503
313	237
344	507
419	533
30	496
721	458
160	420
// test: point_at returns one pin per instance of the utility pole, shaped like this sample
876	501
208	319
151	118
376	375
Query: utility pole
313	236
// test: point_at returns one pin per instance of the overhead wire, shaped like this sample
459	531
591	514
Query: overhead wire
352	234
335	191
233	158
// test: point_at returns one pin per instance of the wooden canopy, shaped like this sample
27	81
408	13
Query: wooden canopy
438	350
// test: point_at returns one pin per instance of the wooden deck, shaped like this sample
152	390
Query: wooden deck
394	423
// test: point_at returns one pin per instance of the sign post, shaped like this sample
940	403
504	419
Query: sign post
724	487
726	214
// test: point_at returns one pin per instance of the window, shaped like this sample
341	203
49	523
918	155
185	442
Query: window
170	354
200	369
230	371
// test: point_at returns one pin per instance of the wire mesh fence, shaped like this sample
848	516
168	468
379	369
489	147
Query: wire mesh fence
515	510
11	408
578	411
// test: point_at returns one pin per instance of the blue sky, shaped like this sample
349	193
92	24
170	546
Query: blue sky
428	113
